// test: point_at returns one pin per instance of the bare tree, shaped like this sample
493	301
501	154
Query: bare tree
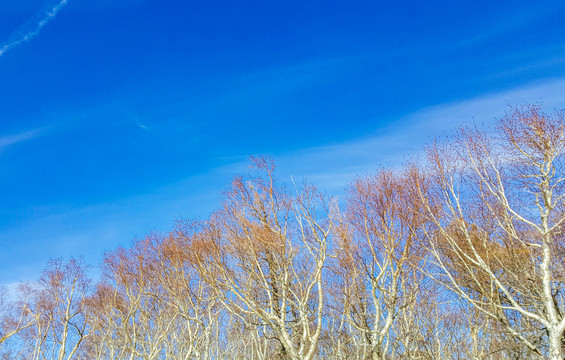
152	304
377	258
14	319
497	204
57	306
265	252
190	301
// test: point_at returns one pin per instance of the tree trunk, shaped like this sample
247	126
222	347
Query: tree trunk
555	340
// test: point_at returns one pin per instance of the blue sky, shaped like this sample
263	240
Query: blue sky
118	117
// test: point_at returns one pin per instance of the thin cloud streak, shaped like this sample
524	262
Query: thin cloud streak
32	28
8	140
404	138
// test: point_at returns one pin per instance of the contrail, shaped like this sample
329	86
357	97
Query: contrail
8	140
31	28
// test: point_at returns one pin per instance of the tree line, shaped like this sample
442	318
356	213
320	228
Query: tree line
456	255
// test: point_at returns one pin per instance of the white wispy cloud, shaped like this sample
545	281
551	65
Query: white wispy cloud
12	139
30	29
135	119
404	137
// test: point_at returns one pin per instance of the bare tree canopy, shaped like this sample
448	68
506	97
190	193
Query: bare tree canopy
455	256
